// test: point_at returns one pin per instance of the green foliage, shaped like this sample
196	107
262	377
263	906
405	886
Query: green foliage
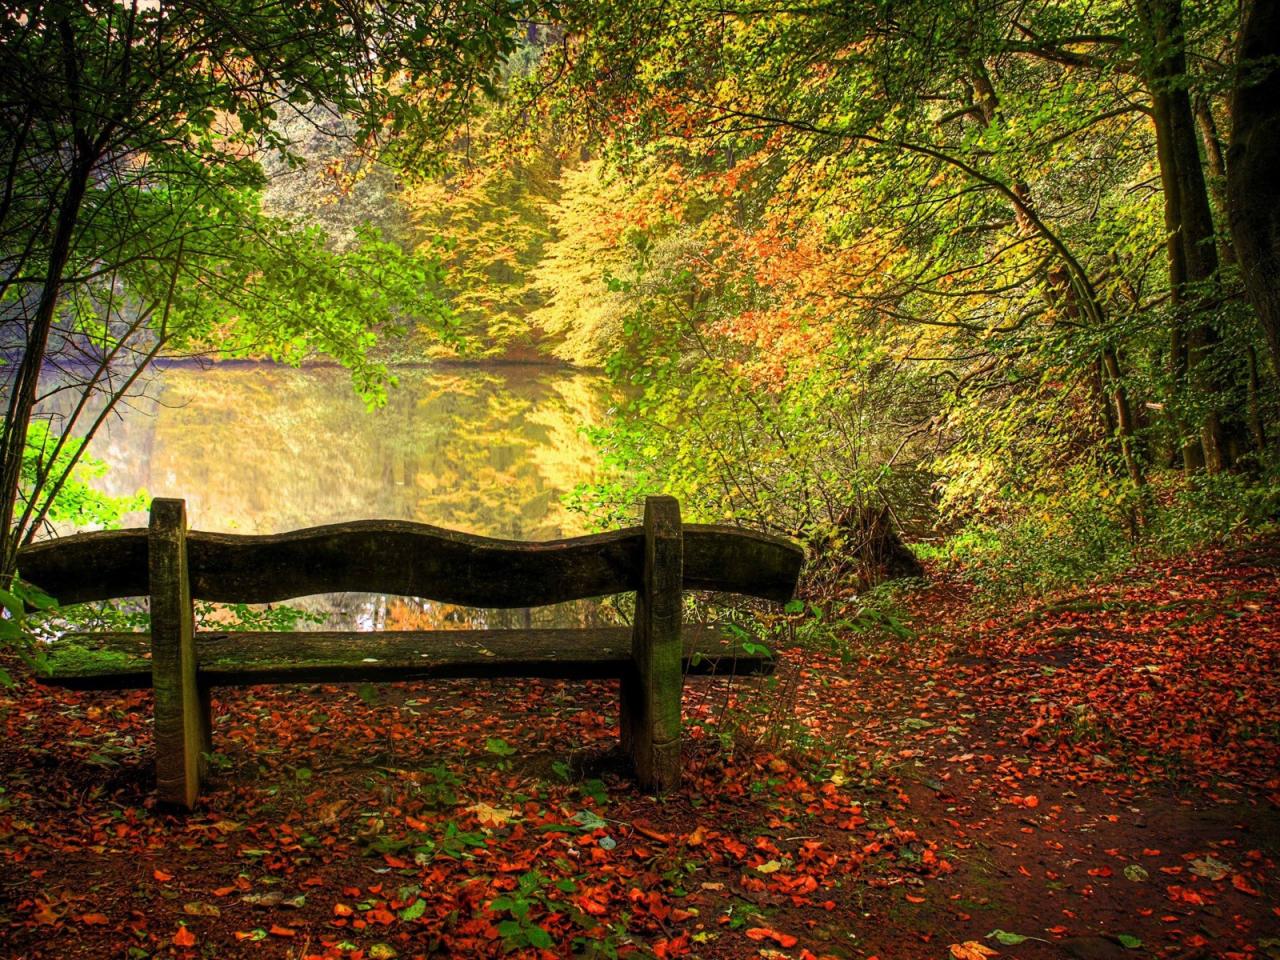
76	502
790	456
1069	539
278	617
16	629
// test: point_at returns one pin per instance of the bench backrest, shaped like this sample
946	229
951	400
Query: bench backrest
410	559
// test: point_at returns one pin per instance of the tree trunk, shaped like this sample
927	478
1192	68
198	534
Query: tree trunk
1215	160
1196	351
22	396
1253	165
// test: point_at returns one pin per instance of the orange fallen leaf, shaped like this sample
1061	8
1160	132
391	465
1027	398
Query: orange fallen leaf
184	938
95	919
278	931
972	950
162	876
765	933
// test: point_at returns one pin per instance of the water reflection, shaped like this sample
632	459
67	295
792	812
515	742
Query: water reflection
261	449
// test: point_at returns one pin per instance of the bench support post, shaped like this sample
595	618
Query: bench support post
181	720
651	689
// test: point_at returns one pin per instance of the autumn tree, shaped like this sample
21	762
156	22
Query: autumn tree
131	135
1009	207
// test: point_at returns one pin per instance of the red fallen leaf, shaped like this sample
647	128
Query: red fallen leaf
162	875
184	938
676	947
95	919
1031	801
765	933
382	915
224	891
1185	895
1241	884
911	898
278	931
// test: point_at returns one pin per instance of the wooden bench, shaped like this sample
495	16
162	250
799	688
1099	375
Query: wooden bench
174	567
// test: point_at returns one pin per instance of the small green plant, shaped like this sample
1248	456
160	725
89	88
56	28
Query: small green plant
424	846
439	789
517	929
16	627
253	618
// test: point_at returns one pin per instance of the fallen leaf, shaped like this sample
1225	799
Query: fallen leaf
766	933
491	816
972	950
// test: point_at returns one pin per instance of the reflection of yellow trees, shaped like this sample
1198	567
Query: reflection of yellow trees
259	449
256	449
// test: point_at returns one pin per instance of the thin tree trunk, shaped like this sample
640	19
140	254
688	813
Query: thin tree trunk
22	397
1118	416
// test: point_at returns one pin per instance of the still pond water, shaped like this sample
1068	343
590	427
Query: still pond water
261	449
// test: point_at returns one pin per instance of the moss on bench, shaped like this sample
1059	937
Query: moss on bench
74	658
121	660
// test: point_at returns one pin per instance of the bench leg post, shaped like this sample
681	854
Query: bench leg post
651	690
181	730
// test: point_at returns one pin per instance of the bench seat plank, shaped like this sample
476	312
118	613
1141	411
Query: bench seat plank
114	661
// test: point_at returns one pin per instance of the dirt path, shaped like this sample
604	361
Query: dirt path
1098	773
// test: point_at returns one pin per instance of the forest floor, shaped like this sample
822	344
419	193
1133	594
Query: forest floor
1095	772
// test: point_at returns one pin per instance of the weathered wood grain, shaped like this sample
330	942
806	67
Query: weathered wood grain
179	712
120	661
101	565
650	692
410	559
